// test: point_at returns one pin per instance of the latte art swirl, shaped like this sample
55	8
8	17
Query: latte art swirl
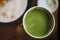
11	10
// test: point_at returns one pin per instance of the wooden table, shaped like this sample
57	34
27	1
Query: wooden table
15	31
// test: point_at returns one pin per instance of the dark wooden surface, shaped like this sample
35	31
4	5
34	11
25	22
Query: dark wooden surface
15	31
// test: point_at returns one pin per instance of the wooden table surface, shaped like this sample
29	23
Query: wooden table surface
15	31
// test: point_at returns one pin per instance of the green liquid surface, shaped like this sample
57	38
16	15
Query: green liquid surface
38	22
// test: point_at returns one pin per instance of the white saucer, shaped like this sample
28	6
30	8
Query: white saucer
12	10
48	5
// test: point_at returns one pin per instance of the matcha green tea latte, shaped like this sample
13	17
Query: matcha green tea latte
38	22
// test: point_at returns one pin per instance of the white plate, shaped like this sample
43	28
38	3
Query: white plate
48	5
12	10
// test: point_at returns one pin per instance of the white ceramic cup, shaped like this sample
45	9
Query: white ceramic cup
24	26
48	4
12	10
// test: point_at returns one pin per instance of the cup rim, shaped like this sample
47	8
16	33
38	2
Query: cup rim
33	35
